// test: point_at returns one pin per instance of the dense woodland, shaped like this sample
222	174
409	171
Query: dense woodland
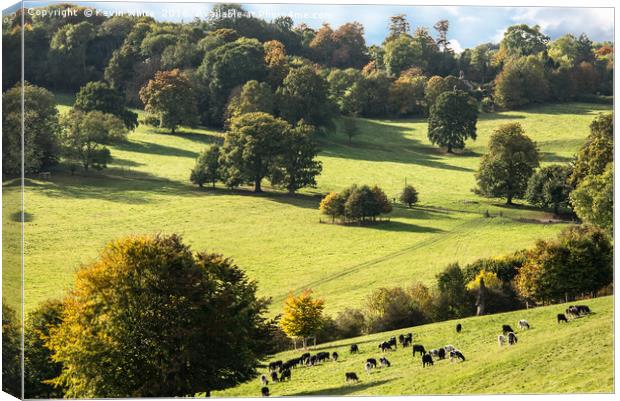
275	88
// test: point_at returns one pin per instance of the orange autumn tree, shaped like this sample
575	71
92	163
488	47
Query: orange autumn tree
303	315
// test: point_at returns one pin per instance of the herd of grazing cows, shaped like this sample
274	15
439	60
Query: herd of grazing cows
280	371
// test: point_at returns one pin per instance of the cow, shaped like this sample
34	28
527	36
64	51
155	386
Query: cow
303	359
313	360
335	356
392	342
572	311
384	346
427	360
274	376
286	374
406	342
273	366
401	339
583	309
263	380
368	367
265	391
441	353
512	338
524	325
562	318
501	340
354	349
449	348
456	355
418	348
372	361
506	329
351	376
322	356
459	327
384	362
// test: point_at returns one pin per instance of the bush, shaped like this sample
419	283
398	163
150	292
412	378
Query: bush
350	323
391	309
487	105
409	196
356	204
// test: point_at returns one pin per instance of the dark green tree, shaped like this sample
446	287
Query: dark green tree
207	167
350	127
508	164
254	97
41	134
593	199
296	166
598	150
100	96
549	187
409	196
304	94
39	368
251	148
452	120
521	82
454	299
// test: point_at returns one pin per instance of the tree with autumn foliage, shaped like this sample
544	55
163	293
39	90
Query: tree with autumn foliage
152	318
170	100
302	316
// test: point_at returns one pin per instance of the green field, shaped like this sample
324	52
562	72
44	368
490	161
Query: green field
278	238
549	358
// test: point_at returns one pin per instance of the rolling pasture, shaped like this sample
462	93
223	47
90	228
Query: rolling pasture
279	239
575	357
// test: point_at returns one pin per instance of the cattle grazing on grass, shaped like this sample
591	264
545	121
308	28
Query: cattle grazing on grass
418	348
313	360
427	360
506	329
459	327
263	380
441	353
351	376
406	342
501	340
583	309
335	356
303	359
372	361
401	339
392	342
265	391
368	367
524	325
274	376
456	355
384	362
385	346
562	318
354	349
572	311
322	356
286	374
274	366
512	338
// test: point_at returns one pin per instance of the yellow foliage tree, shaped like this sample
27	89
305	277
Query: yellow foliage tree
303	315
490	280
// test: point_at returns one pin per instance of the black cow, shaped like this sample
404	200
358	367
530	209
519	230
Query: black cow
459	327
274	376
286	374
401	339
273	366
456	354
562	318
506	329
384	346
354	349
351	376
384	362
263	380
512	338
583	309
427	360
372	361
572	311
335	356
418	348
406	342
441	353
303	359
322	356
313	360
392	342
265	391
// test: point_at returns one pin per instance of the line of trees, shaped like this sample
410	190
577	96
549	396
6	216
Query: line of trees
356	204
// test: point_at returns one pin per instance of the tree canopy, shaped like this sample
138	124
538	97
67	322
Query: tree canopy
452	120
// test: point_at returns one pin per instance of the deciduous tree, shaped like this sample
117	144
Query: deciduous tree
452	120
302	316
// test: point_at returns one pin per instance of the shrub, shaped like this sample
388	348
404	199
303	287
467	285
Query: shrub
350	323
409	196
356	204
390	309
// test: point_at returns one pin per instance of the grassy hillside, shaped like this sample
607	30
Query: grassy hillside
277	238
549	358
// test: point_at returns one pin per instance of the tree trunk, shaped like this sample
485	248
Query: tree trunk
213	185
509	200
450	149
257	187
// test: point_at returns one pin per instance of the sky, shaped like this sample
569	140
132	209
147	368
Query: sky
469	26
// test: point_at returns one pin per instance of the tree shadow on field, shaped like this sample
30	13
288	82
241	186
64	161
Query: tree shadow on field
306	201
396	226
154	149
498	115
571	108
383	142
203	138
345	389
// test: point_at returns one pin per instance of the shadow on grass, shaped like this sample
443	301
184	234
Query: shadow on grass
154	149
382	142
17	217
345	389
555	158
306	201
395	226
203	138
